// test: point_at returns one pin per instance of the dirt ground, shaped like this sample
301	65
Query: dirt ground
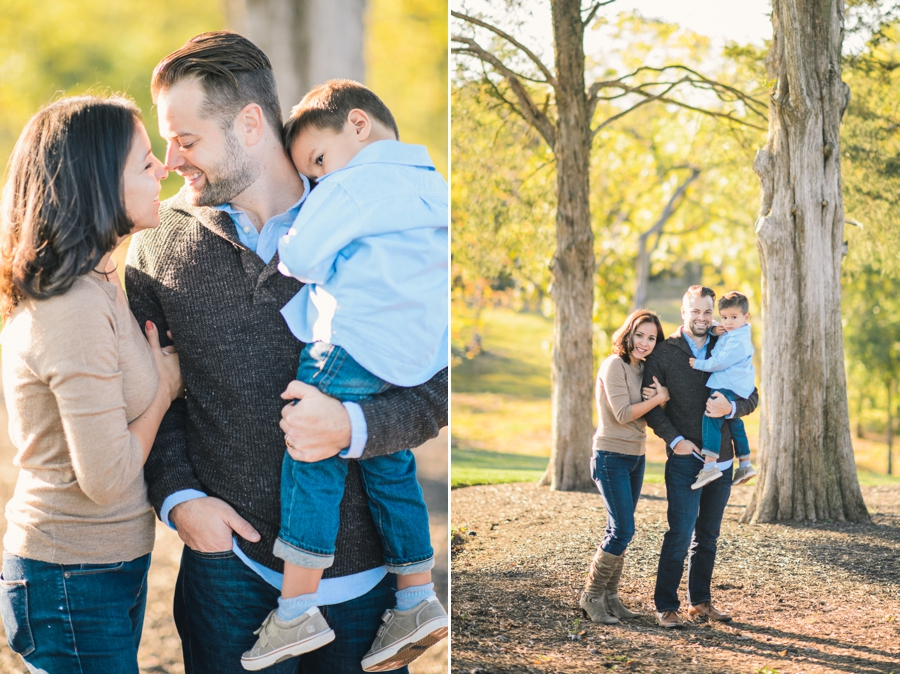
160	651
808	599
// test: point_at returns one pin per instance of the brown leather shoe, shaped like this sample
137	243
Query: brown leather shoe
709	611
669	619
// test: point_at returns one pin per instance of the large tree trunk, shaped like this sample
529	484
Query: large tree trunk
807	470
308	41
573	265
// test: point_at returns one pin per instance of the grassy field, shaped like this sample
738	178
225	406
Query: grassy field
501	415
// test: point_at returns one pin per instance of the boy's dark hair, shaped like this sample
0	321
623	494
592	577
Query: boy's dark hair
734	299
327	106
63	207
699	291
232	71
623	338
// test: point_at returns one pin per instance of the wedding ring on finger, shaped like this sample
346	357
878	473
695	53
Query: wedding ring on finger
288	441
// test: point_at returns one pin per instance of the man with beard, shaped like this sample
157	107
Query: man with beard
694	516
209	275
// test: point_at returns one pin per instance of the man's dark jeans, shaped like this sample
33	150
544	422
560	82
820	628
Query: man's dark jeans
220	601
695	519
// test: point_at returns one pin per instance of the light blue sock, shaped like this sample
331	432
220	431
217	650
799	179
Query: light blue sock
709	466
410	596
289	609
745	463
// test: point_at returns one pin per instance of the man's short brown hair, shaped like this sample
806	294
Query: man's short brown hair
232	72
327	106
699	291
734	299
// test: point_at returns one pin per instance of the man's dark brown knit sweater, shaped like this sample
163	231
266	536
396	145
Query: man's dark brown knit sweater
193	276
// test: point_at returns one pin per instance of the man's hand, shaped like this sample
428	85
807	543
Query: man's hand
718	405
316	427
207	524
686	447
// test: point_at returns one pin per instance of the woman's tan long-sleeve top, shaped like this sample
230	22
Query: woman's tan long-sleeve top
618	388
76	371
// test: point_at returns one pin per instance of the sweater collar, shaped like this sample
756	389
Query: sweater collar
679	340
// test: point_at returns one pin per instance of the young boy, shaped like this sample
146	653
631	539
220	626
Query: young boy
731	364
371	243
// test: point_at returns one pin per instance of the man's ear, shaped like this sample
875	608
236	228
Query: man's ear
250	124
362	125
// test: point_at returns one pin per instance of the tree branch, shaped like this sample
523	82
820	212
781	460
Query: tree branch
665	99
513	41
610	120
528	109
467	51
695	79
593	12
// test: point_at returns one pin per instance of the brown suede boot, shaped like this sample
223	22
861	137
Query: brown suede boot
593	598
613	605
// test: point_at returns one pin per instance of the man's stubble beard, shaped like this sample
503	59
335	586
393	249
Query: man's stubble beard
227	179
698	334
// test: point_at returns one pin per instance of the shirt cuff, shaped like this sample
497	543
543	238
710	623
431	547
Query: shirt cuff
671	444
175	499
359	432
733	411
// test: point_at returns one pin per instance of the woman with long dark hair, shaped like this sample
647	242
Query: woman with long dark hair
85	390
617	464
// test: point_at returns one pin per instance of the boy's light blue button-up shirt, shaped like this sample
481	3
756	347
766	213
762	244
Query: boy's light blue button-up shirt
731	363
697	350
372	243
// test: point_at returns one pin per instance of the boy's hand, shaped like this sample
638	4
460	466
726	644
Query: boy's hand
692	361
718	330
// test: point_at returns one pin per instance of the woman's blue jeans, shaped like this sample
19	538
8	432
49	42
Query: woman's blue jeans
619	478
84	618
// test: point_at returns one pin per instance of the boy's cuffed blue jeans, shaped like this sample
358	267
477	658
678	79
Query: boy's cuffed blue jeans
695	520
619	477
311	493
712	430
84	618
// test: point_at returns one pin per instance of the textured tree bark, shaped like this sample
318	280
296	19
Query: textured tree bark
807	469
308	41
573	264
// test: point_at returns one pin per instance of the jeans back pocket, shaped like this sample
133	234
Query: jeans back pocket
14	612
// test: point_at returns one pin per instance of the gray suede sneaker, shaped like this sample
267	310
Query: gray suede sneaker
405	635
282	639
705	477
743	475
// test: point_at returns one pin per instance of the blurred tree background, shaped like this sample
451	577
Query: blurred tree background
503	211
67	47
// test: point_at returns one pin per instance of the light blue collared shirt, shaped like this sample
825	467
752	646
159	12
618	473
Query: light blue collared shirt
731	363
372	245
331	590
697	350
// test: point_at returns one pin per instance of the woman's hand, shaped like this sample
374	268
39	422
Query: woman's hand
655	391
662	393
167	363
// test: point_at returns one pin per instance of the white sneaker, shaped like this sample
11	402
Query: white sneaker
705	477
282	639
405	635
